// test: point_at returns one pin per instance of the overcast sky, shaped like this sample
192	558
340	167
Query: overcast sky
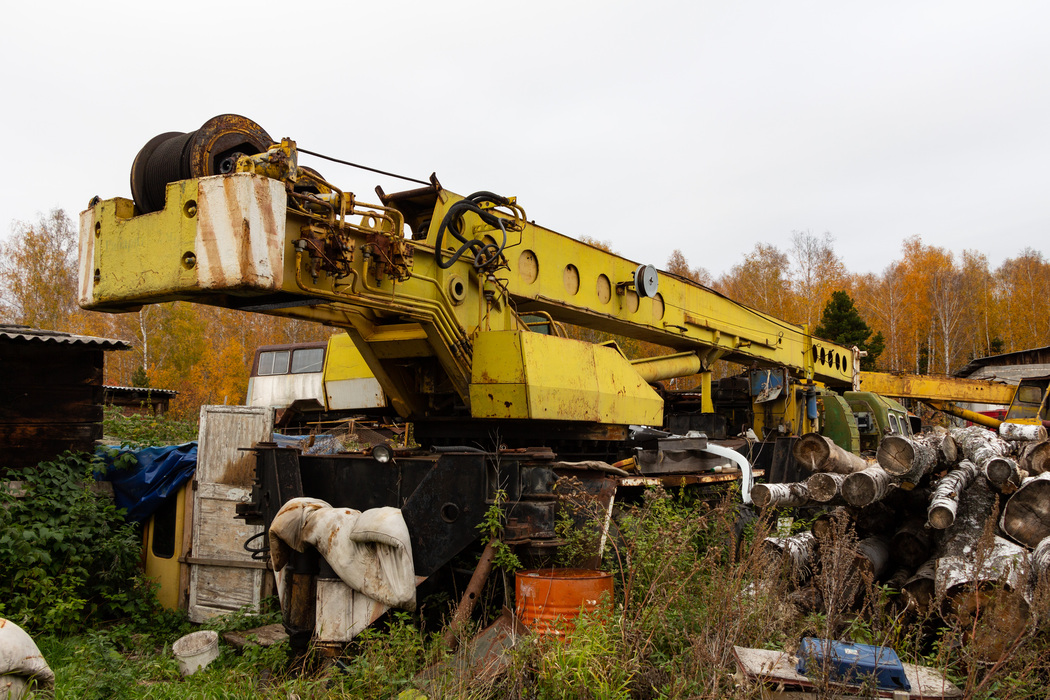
704	126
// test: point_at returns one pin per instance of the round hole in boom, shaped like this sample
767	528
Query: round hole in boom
603	289
571	279
450	512
631	299
457	289
528	267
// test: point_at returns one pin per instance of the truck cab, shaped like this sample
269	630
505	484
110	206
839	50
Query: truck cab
1029	405
324	378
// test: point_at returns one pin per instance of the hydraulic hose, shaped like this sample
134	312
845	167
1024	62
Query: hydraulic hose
484	253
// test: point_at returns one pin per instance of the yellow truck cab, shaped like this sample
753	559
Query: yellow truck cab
323	376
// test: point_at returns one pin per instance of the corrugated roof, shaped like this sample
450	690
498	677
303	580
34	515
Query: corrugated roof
142	389
1018	357
26	334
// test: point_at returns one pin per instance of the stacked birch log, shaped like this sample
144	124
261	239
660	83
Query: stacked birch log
921	519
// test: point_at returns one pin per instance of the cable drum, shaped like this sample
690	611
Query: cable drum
211	150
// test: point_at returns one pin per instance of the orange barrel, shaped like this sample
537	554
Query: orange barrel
546	598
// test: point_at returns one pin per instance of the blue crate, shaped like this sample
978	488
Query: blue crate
852	663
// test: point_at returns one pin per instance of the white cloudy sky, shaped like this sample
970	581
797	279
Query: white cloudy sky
705	126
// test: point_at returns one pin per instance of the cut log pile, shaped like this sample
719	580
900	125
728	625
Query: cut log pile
919	520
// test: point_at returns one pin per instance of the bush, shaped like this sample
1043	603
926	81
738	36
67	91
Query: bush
683	597
70	560
146	430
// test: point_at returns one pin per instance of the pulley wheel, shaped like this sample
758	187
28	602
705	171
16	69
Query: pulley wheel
211	150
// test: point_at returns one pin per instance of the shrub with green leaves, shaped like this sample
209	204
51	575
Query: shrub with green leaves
70	560
146	430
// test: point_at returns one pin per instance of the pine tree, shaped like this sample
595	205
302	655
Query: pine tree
841	323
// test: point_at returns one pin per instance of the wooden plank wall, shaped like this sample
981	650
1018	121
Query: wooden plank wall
50	401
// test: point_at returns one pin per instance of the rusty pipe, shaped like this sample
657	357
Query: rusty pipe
470	596
972	416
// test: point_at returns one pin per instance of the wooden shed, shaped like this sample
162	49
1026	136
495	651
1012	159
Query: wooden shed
141	400
1010	367
51	393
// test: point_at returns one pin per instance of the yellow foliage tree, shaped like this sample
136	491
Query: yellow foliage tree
38	273
1023	287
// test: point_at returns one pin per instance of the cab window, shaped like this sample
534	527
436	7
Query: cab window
307	360
273	362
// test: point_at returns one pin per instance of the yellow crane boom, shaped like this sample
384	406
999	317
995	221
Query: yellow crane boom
937	388
441	293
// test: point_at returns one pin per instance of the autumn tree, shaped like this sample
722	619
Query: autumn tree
881	299
981	314
818	272
38	273
841	323
1023	287
678	265
762	281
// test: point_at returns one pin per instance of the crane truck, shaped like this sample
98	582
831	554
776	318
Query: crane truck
459	307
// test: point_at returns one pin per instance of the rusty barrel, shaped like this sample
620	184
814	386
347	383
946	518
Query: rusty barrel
550	598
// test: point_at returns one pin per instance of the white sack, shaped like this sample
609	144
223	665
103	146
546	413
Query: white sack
370	551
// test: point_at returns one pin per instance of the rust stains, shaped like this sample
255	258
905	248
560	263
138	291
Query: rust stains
246	268
209	273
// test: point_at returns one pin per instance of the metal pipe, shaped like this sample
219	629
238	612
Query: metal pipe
470	596
747	478
653	369
965	414
433	315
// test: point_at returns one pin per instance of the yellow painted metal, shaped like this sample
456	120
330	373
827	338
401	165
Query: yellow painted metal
785	415
587	286
233	240
931	388
126	259
497	383
166	571
1030	403
707	404
523	375
344	361
653	369
966	414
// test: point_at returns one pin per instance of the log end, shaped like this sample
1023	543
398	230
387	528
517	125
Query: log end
895	454
823	487
949	450
811	451
858	489
940	517
1039	458
760	495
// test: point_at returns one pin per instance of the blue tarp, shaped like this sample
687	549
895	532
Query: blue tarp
159	474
